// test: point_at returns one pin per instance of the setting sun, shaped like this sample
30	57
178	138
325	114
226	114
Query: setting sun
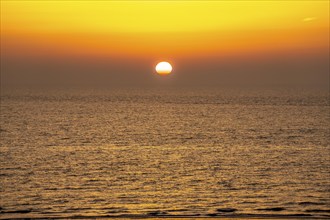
163	68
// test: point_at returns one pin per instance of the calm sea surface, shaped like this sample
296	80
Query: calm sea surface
149	153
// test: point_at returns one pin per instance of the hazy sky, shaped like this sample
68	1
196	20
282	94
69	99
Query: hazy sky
207	42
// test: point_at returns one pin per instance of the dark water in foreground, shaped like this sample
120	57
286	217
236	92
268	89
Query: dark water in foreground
165	153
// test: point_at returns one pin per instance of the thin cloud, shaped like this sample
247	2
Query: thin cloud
309	19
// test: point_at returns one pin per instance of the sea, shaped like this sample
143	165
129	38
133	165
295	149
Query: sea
165	153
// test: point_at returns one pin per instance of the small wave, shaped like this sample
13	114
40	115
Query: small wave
157	213
78	209
226	210
311	203
274	209
6	174
177	210
22	211
212	214
98	200
318	210
221	212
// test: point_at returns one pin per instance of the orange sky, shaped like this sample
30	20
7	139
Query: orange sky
158	30
163	28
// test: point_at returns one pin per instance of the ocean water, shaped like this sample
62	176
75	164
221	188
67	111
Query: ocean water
165	153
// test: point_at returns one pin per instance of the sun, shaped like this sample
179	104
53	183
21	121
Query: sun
164	68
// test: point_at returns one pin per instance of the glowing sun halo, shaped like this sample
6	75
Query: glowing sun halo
163	68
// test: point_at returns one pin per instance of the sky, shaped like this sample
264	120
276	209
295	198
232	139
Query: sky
207	42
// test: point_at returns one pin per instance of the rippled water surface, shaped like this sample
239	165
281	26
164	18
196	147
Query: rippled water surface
165	153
